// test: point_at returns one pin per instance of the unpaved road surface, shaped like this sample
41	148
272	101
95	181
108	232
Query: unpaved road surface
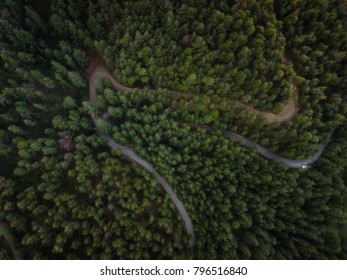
133	157
289	112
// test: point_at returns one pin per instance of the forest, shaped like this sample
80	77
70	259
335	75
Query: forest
168	81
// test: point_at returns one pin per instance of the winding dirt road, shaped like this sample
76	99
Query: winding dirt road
289	111
132	156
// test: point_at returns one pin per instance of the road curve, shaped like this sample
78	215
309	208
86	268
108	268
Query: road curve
133	157
294	163
289	111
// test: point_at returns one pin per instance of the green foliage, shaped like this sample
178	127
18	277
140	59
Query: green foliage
76	79
69	103
65	195
208	81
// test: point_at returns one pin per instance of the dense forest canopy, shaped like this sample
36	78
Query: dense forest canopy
196	69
